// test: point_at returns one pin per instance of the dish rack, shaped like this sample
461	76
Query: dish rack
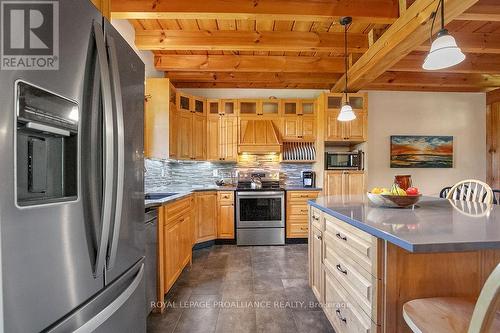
299	152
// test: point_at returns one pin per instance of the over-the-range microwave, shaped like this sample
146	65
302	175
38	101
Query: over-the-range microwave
344	160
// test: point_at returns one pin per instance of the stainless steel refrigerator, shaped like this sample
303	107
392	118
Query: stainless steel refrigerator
71	176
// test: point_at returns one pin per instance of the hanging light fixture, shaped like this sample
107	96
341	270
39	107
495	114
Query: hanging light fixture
346	113
444	51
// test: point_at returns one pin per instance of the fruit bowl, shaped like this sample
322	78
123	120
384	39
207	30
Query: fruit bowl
398	201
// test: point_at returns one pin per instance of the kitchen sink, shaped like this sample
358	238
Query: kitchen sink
157	196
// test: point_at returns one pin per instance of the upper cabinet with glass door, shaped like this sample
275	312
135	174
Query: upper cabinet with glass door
270	107
198	106
183	102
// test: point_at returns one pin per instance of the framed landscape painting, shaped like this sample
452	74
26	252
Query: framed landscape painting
412	151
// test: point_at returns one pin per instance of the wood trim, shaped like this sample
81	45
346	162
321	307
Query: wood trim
408	32
244	63
485	10
104	7
493	145
234	40
493	96
363	11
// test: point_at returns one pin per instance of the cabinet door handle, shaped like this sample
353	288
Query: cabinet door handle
339	315
339	268
315	218
318	237
339	236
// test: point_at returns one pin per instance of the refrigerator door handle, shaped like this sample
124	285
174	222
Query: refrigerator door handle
107	202
120	174
114	306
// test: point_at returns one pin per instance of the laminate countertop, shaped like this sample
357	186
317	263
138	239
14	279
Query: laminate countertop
180	193
434	225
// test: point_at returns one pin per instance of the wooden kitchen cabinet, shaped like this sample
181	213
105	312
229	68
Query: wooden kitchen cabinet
316	274
348	131
191	123
205	216
199	135
225	228
299	128
222	138
343	182
297	214
159	115
175	240
184	135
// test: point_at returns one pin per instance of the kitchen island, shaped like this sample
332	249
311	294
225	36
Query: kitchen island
367	261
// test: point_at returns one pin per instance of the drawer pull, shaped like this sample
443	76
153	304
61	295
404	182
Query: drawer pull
304	196
303	210
303	228
339	236
315	218
226	196
339	315
318	237
339	268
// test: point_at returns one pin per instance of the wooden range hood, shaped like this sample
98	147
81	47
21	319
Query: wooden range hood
258	137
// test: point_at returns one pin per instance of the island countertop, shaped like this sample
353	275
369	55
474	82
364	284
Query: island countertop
435	225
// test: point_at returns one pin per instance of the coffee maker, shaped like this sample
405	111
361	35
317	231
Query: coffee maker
308	178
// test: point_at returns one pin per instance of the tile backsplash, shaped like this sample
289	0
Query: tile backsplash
170	175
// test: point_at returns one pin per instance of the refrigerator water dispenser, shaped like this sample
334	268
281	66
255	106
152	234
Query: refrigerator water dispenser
46	146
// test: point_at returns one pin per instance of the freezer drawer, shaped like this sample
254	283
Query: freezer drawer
118	308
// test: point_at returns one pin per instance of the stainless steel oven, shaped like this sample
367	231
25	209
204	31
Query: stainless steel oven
260	217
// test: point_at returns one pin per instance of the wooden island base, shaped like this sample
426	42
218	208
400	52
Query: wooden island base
363	281
418	275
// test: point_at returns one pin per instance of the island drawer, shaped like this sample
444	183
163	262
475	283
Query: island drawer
344	314
316	218
361	286
361	250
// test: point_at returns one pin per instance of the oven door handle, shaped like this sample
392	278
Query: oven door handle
260	194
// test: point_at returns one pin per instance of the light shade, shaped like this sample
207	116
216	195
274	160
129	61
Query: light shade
346	113
444	53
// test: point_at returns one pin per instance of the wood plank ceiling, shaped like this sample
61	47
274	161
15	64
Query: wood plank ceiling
299	44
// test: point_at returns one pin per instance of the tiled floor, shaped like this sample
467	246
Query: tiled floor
243	289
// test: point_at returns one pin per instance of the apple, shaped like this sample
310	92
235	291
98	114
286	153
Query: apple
412	191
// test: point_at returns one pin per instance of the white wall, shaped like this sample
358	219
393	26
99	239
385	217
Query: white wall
462	115
253	93
128	33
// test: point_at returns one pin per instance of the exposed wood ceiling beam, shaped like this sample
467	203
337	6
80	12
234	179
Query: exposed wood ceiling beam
485	10
363	11
408	32
253	77
473	63
473	42
438	80
394	87
254	85
232	40
493	96
244	63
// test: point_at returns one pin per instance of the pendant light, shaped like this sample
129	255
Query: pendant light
346	113
444	51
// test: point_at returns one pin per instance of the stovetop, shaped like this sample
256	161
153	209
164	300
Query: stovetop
270	181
